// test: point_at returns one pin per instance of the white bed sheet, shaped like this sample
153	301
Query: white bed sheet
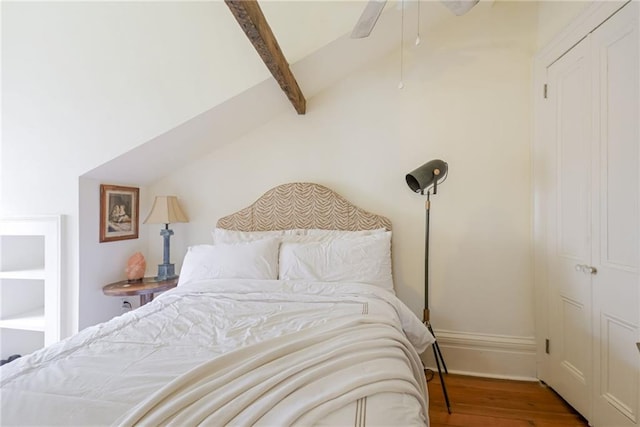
100	375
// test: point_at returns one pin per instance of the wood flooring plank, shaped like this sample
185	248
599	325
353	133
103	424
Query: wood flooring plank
479	402
465	420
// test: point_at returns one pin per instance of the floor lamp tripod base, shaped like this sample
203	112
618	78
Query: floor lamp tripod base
437	355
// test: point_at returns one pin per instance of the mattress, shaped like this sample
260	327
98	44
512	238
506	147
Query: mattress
233	352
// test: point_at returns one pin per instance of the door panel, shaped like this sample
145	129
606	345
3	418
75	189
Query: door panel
616	225
574	358
570	227
617	392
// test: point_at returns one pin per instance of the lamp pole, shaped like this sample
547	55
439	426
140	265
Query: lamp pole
427	207
437	354
166	270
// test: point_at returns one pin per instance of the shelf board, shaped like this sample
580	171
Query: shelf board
32	320
35	274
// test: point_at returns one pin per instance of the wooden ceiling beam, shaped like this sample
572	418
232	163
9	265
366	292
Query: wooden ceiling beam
255	26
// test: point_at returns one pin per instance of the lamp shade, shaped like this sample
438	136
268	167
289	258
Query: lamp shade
427	175
166	210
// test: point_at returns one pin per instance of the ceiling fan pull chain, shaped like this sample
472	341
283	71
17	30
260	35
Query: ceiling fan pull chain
401	84
418	36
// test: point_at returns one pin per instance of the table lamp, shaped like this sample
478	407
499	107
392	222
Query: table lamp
166	210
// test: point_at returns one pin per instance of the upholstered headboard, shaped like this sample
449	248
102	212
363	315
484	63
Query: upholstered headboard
302	205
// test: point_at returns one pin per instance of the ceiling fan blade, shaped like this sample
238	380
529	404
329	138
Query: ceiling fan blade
459	7
368	19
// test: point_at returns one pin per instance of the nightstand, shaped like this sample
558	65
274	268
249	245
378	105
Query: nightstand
145	288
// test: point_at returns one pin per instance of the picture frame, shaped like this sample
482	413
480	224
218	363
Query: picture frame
119	213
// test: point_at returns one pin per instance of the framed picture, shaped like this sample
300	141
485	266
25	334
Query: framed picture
119	207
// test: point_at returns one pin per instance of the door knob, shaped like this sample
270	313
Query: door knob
586	268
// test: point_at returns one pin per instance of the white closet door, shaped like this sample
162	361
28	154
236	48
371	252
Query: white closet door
616	225
569	227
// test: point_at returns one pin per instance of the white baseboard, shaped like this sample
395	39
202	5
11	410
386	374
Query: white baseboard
484	355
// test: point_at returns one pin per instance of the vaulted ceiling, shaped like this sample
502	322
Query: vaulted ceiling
314	16
314	38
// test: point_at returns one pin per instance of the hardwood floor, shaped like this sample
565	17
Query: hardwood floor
484	402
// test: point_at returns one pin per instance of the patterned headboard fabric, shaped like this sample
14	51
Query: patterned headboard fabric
302	205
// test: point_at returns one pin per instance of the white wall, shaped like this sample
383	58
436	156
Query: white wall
104	263
554	16
84	82
466	100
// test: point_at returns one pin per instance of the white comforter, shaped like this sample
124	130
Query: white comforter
232	352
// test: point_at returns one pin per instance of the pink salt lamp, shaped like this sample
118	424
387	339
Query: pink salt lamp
136	267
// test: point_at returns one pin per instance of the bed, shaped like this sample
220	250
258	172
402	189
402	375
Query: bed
288	318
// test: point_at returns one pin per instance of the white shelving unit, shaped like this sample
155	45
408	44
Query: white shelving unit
32	320
30	276
36	274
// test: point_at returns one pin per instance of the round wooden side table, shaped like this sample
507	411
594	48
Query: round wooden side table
145	288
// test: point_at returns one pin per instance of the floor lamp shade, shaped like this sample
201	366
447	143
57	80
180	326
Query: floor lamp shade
428	175
166	210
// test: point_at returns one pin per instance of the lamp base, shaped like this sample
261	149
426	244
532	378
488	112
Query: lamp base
437	355
166	271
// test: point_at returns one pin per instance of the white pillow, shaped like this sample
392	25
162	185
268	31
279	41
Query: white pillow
341	234
221	235
319	235
245	260
365	259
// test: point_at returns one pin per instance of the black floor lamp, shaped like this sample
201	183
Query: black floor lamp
423	179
